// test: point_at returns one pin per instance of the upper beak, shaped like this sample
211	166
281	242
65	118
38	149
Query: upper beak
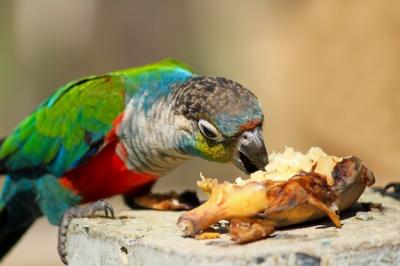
251	154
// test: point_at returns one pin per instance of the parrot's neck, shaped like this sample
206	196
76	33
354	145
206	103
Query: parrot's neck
151	136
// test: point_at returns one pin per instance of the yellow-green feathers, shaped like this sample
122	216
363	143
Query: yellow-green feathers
219	152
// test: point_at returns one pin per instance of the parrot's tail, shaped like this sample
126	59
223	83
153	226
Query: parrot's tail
18	211
16	216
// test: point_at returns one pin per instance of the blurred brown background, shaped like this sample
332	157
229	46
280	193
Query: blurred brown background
327	72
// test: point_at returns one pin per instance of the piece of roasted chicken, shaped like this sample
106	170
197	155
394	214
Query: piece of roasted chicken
294	188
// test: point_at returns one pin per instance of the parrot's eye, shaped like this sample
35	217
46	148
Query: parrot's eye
209	131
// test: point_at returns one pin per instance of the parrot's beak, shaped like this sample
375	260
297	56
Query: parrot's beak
251	154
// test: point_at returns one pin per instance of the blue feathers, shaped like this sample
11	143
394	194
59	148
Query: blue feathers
229	124
53	199
156	84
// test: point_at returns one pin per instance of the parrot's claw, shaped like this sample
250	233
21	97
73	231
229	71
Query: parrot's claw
395	186
169	201
87	211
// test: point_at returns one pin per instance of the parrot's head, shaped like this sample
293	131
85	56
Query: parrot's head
225	122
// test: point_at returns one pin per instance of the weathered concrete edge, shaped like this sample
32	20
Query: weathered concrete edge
127	252
105	242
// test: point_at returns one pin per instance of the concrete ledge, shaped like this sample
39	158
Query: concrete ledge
151	238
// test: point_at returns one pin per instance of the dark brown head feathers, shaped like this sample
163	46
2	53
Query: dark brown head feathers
221	101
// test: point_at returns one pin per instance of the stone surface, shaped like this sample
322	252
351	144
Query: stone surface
151	238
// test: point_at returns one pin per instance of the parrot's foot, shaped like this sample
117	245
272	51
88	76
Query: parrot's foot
169	201
87	211
394	185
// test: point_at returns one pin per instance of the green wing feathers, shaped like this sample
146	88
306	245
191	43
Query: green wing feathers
64	128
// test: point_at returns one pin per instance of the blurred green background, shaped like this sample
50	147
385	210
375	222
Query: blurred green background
326	72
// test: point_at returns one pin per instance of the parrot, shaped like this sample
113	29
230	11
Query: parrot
117	134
